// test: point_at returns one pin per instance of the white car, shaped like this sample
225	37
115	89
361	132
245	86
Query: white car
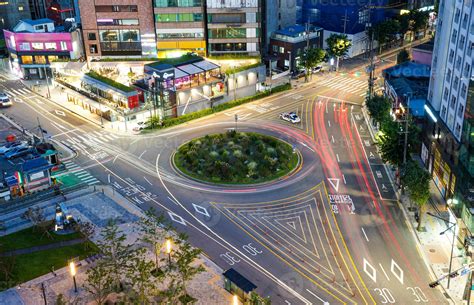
290	117
9	146
140	126
317	69
5	100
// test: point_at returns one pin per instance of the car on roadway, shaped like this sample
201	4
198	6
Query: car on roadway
19	152
291	117
317	69
5	101
298	74
11	145
140	126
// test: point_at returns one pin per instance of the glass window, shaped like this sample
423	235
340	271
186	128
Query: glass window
20	8
129	35
50	46
109	35
91	36
63	46
27	59
37	45
40	59
52	58
93	48
128	21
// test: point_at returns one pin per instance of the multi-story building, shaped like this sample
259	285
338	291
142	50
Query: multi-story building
448	144
279	14
12	11
179	27
34	44
119	28
233	26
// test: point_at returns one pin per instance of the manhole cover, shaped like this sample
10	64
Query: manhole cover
432	250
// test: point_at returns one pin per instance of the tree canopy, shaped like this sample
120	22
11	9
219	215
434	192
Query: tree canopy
311	58
379	107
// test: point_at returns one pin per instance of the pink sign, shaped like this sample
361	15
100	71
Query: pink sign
35	42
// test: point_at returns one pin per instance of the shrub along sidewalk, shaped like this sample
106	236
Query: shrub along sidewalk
199	114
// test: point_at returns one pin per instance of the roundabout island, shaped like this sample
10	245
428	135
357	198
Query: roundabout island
235	158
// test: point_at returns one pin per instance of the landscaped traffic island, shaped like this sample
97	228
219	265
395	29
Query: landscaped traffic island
236	158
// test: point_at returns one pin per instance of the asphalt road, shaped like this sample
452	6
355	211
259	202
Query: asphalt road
330	233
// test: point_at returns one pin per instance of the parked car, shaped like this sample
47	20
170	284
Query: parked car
11	145
5	100
140	126
19	151
290	117
298	74
317	69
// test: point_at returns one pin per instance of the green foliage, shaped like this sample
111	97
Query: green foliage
233	56
140	278
199	114
403	56
109	81
152	230
311	58
338	45
256	299
417	181
385	31
184	261
99	282
235	158
231	71
379	108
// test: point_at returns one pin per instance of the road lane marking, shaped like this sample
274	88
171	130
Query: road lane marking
365	235
147	181
394	266
176	218
332	139
201	210
329	123
172	200
312	293
108	178
141	155
373	274
337	157
344	178
304	144
385	273
334	183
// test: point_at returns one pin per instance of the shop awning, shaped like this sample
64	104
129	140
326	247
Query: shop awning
206	65
179	73
190	69
74	65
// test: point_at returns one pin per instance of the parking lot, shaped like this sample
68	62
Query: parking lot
6	129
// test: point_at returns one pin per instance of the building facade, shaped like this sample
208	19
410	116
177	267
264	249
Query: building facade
34	44
289	44
180	27
279	14
233	27
122	28
448	143
12	11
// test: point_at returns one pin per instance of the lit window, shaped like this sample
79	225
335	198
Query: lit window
50	46
63	46
25	46
20	8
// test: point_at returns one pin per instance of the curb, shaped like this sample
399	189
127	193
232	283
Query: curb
407	217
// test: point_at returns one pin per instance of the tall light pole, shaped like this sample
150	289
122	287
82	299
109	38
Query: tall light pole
168	250
72	270
47	80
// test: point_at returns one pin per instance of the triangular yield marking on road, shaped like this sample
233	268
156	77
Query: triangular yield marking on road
291	224
334	183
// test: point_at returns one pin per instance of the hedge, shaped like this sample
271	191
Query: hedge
242	68
201	113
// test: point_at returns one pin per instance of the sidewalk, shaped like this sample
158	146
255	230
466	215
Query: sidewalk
97	207
435	249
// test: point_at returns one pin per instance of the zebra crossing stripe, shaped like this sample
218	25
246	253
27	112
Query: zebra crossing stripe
82	175
16	92
93	182
94	140
89	180
24	91
108	137
113	136
363	94
9	94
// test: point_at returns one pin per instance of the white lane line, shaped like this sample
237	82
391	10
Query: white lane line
147	181
108	178
89	180
329	123
286	301
385	273
304	144
363	94
332	139
344	178
82	175
365	235
312	293
172	200
115	159
337	157
93	182
16	92
108	137
141	155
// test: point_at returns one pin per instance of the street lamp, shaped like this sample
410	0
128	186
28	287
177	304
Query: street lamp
235	300
72	270
453	226
168	250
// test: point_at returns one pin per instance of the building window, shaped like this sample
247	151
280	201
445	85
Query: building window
453	102
464	90
457	15
109	35
25	46
228	33
50	46
470	46
181	17
455	36
464	21
20	8
93	48
39	27
129	35
275	48
27	59
363	16
446	92
178	3
458	62
462	42
110	22
63	46
91	36
456	83
460	111
443	112
467	70
448	75
116	8
457	131
451	56
281	50
37	45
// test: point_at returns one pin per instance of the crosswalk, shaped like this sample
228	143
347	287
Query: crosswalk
80	173
16	92
351	85
92	139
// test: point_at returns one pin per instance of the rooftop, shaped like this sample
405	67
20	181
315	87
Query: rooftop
37	21
239	280
408	69
413	88
176	61
296	30
427	46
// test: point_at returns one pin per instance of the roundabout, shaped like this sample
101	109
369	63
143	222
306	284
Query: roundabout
240	158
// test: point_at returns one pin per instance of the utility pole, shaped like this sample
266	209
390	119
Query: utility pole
40	128
405	142
307	36
345	21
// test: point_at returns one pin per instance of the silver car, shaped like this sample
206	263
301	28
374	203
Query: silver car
4	100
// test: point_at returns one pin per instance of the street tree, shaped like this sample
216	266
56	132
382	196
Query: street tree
310	59
338	45
87	231
379	108
404	22
184	261
385	31
116	252
256	299
417	182
171	294
99	282
153	229
140	278
403	56
389	142
419	21
38	220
